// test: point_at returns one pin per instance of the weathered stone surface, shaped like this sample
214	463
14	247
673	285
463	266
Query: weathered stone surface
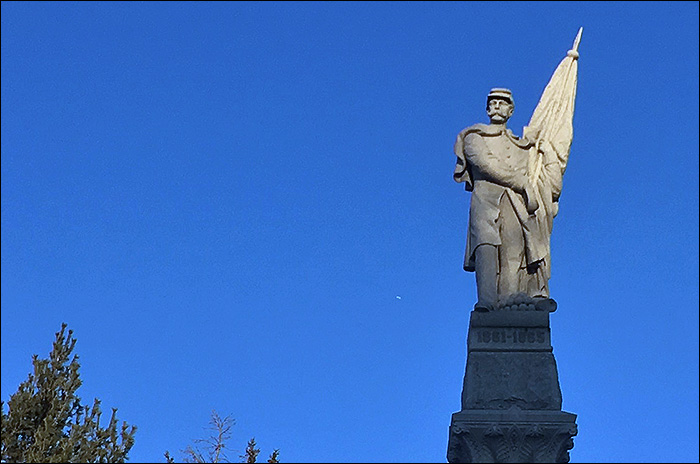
510	362
502	380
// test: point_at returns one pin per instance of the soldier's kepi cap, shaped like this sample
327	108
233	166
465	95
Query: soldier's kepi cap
498	92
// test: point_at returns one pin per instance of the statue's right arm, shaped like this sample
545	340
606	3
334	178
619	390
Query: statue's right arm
477	153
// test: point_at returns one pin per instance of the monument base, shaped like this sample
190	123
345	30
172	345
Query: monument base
513	435
511	400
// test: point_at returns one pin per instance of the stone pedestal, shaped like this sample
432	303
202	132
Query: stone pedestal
511	400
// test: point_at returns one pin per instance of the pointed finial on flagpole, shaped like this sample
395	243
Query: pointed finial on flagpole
574	50
578	39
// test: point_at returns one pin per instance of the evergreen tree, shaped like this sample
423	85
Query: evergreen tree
45	421
251	452
274	456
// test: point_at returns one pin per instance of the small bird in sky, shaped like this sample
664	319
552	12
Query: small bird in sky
398	297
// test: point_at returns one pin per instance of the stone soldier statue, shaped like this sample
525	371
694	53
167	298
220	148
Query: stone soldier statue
511	211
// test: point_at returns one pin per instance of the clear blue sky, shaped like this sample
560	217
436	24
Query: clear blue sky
249	207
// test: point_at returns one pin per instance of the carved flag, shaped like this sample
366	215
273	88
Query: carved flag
554	114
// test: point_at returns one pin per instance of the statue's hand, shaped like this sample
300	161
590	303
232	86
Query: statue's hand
531	132
532	206
549	154
531	203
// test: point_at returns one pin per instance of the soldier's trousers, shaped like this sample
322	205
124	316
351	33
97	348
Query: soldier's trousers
501	270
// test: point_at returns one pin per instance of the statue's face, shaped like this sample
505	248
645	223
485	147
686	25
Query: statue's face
499	110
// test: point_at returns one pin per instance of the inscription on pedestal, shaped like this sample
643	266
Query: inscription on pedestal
510	339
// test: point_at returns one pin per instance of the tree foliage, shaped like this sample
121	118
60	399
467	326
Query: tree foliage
45	421
251	452
216	444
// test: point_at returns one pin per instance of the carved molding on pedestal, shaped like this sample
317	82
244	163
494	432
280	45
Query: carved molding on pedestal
475	438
